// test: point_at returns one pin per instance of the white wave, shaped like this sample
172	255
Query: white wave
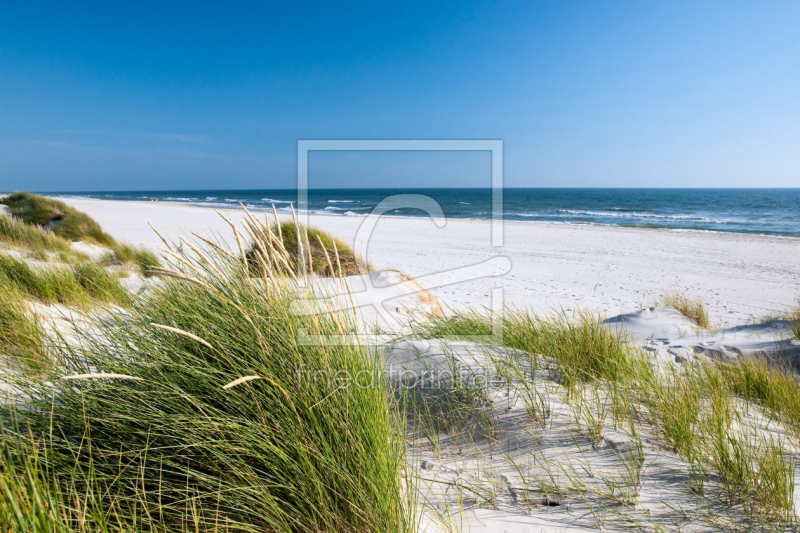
272	201
633	214
341	201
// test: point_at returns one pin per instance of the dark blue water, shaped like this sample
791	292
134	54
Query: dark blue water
754	211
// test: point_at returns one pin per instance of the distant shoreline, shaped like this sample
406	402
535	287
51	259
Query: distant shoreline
761	212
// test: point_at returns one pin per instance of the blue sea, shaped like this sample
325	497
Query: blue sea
751	211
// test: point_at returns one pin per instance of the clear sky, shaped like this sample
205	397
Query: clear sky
178	95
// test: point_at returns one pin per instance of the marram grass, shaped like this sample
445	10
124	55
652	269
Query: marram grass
173	450
691	407
80	285
691	308
65	221
140	259
21	336
300	249
16	233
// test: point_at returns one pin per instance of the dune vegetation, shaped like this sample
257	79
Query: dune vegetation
64	221
694	407
136	259
318	252
80	285
21	337
202	410
691	308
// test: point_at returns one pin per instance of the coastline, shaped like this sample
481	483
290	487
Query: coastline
608	269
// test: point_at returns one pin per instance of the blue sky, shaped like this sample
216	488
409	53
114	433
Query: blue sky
198	95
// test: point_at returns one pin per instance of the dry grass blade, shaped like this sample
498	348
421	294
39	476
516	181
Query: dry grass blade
277	222
165	241
184	333
179	275
203	256
239	381
217	248
100	375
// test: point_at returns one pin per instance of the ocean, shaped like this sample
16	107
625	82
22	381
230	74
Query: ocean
751	211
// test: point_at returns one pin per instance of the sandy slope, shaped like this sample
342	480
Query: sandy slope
613	270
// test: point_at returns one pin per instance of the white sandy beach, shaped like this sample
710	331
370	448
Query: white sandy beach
612	270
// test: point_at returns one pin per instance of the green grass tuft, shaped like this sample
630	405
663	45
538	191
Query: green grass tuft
324	260
582	347
20	334
690	308
142	260
78	285
14	232
64	221
100	284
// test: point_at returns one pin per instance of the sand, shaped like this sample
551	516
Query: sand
611	270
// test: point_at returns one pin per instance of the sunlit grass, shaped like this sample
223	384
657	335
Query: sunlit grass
65	221
139	259
171	449
21	336
692	407
78	285
691	308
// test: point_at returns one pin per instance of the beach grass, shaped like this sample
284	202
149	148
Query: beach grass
78	285
219	418
63	220
582	348
303	247
21	336
691	308
769	383
16	233
692	407
141	260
